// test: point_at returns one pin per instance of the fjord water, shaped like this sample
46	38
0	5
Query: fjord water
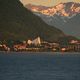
39	66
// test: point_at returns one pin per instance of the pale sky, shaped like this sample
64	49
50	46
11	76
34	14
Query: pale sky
46	2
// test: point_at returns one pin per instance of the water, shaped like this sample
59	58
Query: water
36	66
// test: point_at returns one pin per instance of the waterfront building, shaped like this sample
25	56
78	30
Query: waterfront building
35	42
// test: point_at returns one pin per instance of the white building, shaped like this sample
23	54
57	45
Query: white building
36	41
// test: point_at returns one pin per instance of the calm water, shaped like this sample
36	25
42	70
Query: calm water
35	66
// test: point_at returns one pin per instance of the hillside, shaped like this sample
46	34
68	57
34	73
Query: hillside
16	22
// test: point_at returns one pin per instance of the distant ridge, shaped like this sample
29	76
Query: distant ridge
63	9
64	16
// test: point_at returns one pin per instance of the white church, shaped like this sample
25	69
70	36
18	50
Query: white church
35	42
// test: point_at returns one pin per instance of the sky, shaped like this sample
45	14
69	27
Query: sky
46	2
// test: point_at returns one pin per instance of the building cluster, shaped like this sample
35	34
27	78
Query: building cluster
37	45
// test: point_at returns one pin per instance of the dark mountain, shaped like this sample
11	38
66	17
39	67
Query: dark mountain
16	22
64	16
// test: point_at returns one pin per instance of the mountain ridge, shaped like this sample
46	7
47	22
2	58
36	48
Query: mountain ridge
62	9
60	20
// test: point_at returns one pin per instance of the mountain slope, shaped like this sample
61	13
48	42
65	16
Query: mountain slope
74	25
16	22
62	16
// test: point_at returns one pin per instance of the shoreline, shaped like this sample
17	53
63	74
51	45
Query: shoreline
25	52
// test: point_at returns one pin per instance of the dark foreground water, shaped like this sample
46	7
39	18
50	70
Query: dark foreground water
36	66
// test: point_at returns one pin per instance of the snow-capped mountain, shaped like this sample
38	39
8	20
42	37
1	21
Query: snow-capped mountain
36	8
62	9
60	16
